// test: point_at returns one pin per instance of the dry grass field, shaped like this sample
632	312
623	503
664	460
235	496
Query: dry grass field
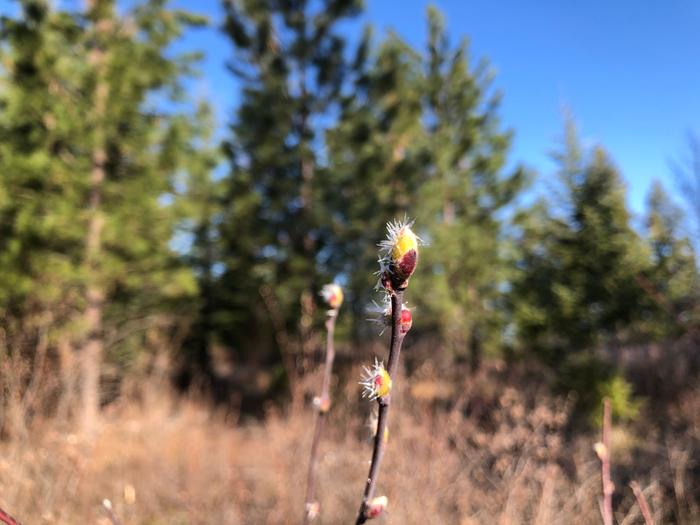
497	451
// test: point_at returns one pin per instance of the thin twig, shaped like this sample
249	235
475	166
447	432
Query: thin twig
379	439
7	519
642	502
323	407
604	455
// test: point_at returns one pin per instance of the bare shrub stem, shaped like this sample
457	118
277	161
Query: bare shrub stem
379	439
608	487
642	502
7	519
322	411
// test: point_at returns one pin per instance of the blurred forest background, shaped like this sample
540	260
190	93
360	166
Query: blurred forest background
160	319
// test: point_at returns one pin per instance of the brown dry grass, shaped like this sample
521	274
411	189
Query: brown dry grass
487	451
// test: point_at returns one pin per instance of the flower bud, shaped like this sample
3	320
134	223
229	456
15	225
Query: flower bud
322	404
376	382
400	256
376	506
601	450
312	510
333	295
406	319
381	315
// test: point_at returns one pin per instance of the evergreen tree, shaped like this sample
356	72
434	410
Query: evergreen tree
579	294
87	161
674	284
131	271
376	164
465	199
41	191
199	196
291	65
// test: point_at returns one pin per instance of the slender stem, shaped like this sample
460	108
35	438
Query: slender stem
7	519
608	486
321	415
384	402
642	502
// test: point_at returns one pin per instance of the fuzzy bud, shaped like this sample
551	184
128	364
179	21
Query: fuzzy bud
333	295
323	405
376	506
400	256
376	381
312	510
406	319
601	451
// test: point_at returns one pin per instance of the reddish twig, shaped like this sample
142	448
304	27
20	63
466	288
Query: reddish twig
324	402
7	519
642	502
603	451
397	336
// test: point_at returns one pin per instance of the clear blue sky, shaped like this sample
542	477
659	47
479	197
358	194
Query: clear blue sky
630	71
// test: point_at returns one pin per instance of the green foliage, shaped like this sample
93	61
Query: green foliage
579	293
327	144
49	131
465	199
291	65
592	380
673	284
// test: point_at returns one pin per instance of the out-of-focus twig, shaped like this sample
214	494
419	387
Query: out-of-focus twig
7	519
602	449
322	405
642	502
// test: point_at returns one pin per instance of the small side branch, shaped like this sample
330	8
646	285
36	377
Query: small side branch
7	519
642	502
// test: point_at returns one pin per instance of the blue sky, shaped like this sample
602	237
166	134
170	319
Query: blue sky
629	71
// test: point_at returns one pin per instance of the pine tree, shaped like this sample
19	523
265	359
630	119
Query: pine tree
128	259
376	164
673	285
465	200
290	61
89	157
199	196
579	294
40	191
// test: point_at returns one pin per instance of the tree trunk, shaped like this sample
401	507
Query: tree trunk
92	348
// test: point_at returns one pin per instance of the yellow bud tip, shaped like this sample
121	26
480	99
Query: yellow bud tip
376	381
382	383
400	255
333	295
406	241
